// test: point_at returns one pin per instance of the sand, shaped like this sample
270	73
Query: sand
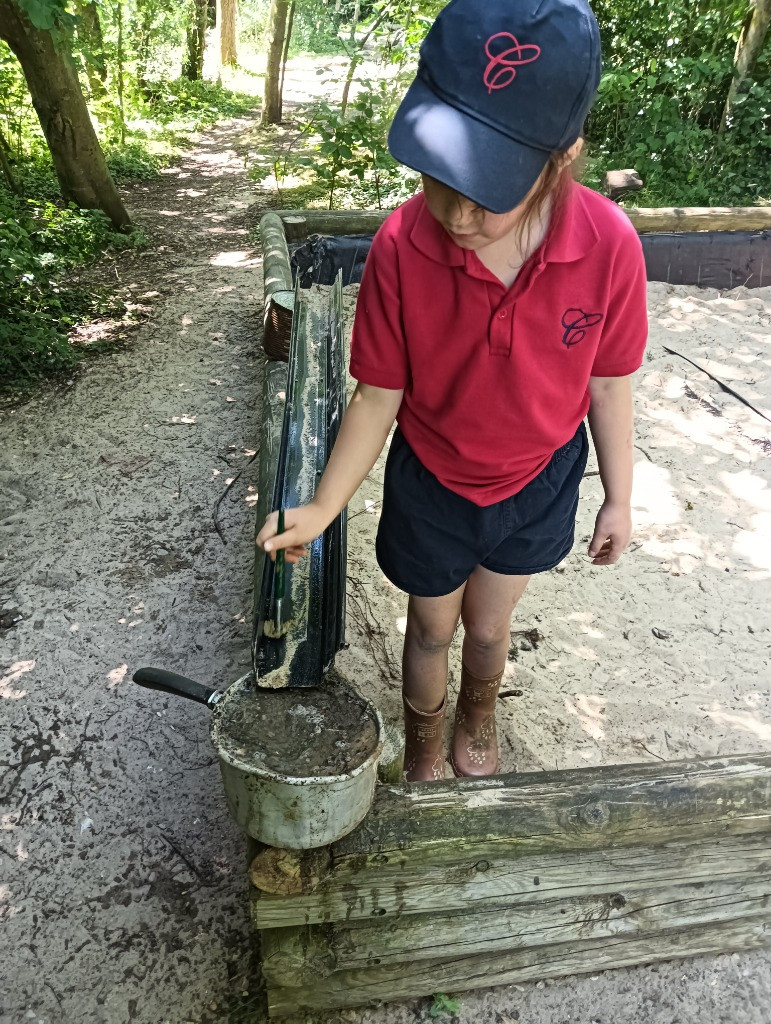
666	654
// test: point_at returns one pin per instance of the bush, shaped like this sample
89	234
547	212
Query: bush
665	122
38	243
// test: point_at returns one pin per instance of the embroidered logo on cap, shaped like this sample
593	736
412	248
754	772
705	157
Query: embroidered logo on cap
502	69
575	322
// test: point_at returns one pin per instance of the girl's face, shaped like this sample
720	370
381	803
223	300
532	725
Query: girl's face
470	226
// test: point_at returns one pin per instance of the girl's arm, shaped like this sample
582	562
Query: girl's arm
368	418
612	427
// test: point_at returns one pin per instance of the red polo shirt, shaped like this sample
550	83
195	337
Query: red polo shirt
496	379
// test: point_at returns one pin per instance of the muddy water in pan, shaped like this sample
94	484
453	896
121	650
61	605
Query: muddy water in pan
326	730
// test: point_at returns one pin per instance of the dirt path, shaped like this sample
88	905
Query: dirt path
123	883
122	879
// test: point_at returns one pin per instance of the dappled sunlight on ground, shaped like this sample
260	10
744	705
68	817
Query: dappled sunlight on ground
665	655
17	670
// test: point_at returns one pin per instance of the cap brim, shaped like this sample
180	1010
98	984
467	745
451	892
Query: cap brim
476	160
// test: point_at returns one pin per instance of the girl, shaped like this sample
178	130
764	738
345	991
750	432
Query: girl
497	309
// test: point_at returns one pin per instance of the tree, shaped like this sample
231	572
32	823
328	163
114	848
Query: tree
196	39
227	13
42	48
89	31
271	108
748	48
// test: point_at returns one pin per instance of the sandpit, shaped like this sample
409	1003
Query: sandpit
665	655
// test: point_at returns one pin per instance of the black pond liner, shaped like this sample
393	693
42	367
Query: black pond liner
321	257
711	259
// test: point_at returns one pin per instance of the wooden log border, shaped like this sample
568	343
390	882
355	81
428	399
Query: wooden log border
461	884
645	219
465	884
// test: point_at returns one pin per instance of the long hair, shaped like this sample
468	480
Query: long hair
552	186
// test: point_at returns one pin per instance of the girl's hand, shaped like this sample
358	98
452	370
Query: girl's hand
612	533
301	526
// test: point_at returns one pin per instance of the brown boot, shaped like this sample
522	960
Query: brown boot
474	741
423	743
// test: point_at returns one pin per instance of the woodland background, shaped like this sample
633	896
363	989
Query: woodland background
95	94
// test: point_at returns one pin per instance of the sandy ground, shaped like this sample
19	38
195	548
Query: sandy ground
122	878
666	654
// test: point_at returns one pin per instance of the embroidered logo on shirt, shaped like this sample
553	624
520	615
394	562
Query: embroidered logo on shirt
575	322
502	69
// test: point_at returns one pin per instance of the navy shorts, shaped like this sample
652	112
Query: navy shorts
431	539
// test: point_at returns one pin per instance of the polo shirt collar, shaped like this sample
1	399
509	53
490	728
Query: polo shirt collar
570	238
430	238
573	234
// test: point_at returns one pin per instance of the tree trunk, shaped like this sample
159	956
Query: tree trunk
120	77
142	27
747	51
91	38
357	58
287	40
355	22
58	99
196	40
227	11
271	109
5	164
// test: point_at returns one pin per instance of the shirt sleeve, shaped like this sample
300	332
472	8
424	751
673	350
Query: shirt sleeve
625	331
378	345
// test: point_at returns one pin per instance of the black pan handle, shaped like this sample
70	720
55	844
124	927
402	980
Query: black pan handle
181	686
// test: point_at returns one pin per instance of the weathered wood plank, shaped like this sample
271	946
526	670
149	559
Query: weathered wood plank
701	218
458	974
665	218
277	270
388	890
273	401
338	222
581	808
632	910
278	288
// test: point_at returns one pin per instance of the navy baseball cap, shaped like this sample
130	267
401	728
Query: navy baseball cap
500	85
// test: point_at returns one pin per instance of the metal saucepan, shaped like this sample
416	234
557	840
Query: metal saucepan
294	812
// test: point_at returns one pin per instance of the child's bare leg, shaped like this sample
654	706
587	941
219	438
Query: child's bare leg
488	602
431	623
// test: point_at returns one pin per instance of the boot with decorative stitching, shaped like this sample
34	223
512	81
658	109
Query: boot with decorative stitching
423	743
474	752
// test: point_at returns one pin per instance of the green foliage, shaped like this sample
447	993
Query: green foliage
443	1006
39	242
133	162
193	105
352	146
50	15
667	73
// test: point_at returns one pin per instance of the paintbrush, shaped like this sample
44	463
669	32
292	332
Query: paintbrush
278	611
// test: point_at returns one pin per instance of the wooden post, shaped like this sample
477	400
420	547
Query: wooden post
278	288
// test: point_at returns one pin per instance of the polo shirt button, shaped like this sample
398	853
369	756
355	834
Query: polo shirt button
502	315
